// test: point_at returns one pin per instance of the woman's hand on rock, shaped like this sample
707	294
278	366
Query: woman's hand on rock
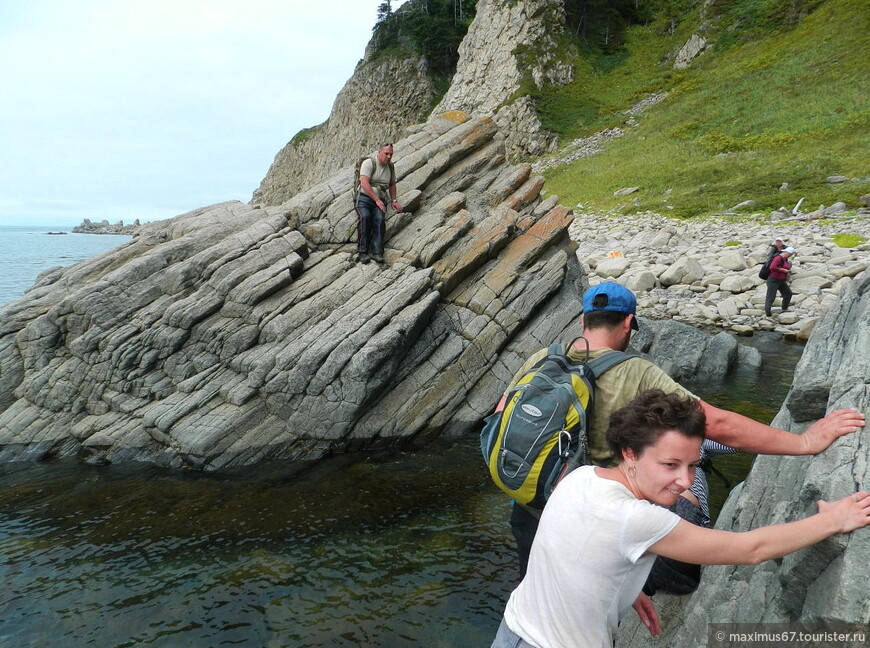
852	512
825	431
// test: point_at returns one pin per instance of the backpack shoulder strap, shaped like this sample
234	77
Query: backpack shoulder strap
608	361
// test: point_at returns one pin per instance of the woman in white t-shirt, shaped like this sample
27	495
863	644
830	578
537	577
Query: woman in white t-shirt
601	530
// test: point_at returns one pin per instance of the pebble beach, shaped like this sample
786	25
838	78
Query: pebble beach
705	272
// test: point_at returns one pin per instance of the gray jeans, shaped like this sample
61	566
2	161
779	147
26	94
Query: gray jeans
774	286
507	638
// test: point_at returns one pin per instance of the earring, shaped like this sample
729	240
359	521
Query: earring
632	471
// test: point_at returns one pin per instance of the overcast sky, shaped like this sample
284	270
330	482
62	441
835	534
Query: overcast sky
124	109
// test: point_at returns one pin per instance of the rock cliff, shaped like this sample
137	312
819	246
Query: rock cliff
508	46
237	333
826	583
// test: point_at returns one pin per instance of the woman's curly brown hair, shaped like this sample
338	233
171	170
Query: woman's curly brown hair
639	424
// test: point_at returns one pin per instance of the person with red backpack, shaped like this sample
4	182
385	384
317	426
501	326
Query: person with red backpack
377	189
777	280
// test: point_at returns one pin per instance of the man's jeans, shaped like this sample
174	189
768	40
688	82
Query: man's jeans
372	225
507	638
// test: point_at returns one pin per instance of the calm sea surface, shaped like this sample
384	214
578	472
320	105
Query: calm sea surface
27	251
402	547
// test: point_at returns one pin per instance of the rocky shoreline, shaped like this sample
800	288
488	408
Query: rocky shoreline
705	273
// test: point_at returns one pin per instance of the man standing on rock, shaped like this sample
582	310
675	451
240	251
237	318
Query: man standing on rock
377	181
608	319
777	281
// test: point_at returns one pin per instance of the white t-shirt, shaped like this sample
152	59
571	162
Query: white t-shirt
588	563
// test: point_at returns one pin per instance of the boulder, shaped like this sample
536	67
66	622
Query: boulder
836	208
684	352
685	270
732	260
746	204
612	268
810	284
737	284
639	282
728	308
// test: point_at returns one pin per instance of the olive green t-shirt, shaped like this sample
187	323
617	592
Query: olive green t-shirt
616	387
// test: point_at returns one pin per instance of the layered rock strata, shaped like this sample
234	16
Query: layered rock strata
236	333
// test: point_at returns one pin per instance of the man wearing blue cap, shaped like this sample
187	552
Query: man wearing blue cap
608	319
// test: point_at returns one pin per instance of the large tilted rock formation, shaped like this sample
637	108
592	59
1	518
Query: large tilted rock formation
235	333
826	583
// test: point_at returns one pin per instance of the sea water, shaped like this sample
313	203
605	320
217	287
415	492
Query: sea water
27	251
396	547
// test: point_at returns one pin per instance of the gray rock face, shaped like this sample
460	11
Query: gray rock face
507	43
823	583
690	51
384	97
235	334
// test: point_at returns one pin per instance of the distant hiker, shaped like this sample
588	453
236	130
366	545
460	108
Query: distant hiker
377	189
777	281
609	318
776	248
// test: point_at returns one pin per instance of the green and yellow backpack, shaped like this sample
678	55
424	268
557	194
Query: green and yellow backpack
540	435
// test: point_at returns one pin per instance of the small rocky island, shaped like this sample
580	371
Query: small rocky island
104	227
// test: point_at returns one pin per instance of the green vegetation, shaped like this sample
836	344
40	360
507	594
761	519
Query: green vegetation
304	134
778	98
433	28
732	243
849	240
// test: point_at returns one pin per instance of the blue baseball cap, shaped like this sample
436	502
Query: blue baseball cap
614	297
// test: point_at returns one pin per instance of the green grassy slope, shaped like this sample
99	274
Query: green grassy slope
775	100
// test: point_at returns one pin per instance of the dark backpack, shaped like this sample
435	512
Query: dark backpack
764	273
356	186
540	435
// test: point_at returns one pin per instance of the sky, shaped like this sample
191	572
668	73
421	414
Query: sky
125	109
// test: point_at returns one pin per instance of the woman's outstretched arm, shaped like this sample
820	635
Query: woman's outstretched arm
700	546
